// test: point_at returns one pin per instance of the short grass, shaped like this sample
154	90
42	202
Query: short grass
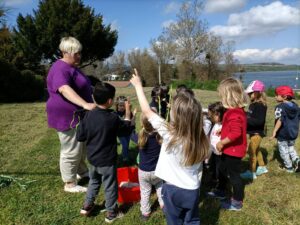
30	150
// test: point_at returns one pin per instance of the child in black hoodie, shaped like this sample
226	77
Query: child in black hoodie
99	129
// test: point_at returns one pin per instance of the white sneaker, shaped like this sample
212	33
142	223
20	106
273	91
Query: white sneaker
75	189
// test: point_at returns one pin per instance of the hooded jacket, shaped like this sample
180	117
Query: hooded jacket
256	118
288	113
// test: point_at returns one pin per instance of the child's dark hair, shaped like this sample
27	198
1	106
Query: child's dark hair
102	92
121	99
155	91
217	108
182	88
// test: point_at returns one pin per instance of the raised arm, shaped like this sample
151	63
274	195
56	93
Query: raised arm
136	82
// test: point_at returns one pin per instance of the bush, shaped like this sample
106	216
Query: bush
271	93
16	86
210	85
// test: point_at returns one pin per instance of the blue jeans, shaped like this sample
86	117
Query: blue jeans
181	206
287	152
125	145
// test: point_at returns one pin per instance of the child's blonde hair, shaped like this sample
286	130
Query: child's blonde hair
186	129
260	97
146	130
232	93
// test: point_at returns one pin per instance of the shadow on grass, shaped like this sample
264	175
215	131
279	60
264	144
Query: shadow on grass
209	207
209	210
98	209
155	206
276	156
125	207
265	154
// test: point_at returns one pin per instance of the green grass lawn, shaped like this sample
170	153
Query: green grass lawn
30	150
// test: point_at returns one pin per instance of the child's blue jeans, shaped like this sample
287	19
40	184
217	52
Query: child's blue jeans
125	146
181	206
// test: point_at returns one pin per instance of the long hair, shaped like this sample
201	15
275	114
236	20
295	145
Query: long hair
186	129
232	93
144	133
260	97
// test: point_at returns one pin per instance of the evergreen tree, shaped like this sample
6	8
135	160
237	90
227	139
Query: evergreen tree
38	36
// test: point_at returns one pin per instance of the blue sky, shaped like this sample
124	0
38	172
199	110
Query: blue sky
264	31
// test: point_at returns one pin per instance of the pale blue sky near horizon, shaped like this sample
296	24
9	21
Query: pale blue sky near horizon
264	31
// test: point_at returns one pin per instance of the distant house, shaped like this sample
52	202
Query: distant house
125	76
109	77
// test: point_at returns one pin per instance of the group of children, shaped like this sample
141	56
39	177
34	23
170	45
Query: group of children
171	153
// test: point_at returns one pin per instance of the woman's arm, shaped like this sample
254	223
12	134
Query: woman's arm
136	82
73	97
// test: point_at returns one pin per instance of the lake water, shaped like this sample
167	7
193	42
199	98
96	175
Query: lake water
272	78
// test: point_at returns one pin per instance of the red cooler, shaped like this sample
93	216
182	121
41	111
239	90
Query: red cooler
131	194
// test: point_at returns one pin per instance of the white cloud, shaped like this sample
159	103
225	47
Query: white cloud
259	20
213	6
283	55
15	3
172	7
114	25
135	49
167	23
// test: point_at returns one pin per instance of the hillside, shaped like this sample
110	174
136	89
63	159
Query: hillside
268	67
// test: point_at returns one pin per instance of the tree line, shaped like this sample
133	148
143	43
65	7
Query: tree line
184	50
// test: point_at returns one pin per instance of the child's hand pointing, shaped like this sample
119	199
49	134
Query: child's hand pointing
135	79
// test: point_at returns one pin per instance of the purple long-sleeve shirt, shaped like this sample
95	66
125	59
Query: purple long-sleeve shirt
60	111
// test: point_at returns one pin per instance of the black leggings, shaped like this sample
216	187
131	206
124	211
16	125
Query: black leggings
230	167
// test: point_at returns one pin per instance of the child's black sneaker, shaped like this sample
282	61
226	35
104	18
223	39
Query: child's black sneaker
87	209
112	216
297	165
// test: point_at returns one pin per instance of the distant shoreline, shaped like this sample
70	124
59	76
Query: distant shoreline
258	68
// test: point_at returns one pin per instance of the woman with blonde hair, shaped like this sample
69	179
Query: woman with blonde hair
233	143
69	90
184	148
